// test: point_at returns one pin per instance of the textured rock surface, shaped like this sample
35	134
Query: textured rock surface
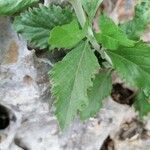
24	91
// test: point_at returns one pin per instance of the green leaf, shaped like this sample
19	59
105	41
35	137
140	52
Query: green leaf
133	65
102	86
135	27
91	7
70	80
36	24
142	104
10	7
66	36
111	35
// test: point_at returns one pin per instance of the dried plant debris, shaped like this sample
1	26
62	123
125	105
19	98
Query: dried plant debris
108	144
133	130
122	94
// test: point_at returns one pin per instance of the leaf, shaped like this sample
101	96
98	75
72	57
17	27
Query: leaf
70	80
36	24
133	65
142	105
135	27
111	35
102	86
91	7
66	36
10	7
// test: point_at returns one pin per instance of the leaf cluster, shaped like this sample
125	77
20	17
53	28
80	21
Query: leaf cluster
79	82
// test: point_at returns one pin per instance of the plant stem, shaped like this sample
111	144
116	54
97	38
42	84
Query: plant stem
77	5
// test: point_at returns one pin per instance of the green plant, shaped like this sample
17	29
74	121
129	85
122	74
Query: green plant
79	81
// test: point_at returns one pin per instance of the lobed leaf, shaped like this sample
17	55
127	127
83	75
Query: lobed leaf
71	78
102	86
133	65
66	36
10	7
111	35
135	27
36	24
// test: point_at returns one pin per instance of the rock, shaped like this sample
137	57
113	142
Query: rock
25	82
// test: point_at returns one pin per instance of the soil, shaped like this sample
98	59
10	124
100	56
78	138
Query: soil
108	144
122	95
4	117
56	54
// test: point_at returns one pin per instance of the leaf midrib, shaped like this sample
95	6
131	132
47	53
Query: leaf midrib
75	81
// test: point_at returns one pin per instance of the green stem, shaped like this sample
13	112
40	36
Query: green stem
77	5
